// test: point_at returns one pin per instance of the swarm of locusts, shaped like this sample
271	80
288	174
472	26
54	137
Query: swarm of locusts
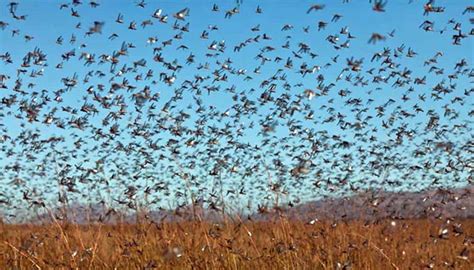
148	134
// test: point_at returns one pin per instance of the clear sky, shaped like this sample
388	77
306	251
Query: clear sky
399	24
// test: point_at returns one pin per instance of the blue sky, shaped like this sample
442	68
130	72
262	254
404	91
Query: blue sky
46	22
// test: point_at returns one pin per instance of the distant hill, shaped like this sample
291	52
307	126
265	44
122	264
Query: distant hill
446	203
82	214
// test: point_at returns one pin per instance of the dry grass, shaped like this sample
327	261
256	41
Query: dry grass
281	244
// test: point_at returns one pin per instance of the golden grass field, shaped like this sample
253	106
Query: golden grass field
279	244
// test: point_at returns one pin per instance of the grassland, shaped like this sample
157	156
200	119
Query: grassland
278	244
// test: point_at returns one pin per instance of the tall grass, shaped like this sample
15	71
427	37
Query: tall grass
277	244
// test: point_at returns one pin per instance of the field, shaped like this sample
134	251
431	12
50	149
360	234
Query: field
278	244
